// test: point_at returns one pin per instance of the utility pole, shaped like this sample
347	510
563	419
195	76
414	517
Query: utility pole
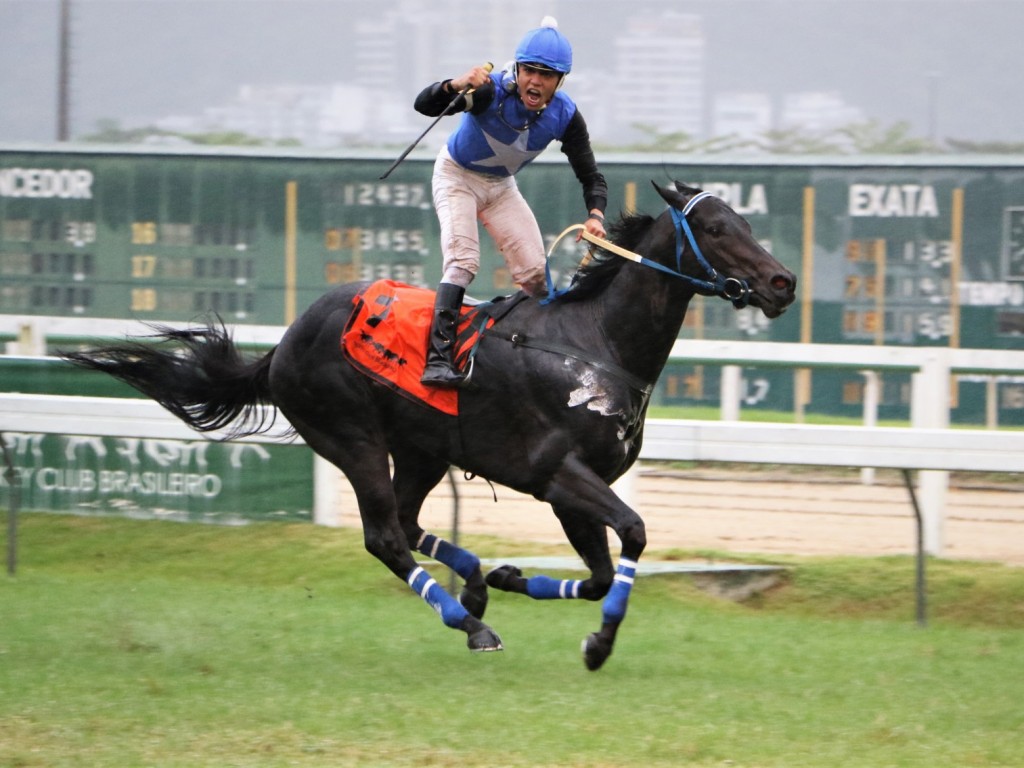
63	72
933	107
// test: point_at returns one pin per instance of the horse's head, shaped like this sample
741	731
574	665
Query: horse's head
744	272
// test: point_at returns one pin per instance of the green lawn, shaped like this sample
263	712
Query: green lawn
126	643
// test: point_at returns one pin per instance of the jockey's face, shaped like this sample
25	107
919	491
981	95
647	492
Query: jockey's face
536	86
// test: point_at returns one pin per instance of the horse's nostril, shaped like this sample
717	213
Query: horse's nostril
781	282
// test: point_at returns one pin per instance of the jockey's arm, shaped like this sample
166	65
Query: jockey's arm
435	98
576	146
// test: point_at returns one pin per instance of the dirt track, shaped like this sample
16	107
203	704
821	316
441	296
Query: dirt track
760	511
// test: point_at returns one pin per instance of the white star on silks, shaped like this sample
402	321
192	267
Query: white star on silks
512	156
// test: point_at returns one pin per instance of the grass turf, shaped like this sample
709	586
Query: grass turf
126	643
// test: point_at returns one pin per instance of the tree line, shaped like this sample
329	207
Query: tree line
866	138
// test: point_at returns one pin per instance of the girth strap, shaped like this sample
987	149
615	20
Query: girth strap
520	339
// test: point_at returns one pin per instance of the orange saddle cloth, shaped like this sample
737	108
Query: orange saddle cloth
386	339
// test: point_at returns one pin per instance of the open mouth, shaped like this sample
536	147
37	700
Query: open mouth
533	98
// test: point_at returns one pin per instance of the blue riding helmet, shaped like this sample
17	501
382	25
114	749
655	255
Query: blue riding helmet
547	47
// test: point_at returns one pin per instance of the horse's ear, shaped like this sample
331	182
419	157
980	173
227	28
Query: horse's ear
686	189
677	194
670	195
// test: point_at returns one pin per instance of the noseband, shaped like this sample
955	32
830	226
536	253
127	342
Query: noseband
731	288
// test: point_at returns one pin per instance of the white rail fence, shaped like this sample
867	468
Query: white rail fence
928	446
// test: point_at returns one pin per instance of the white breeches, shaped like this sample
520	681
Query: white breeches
461	197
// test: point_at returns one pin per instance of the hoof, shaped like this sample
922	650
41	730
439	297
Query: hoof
507	578
596	651
474	601
481	638
484	641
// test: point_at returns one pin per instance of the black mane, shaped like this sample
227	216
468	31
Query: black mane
603	265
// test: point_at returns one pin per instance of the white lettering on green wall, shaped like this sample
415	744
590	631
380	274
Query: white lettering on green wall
893	200
46	182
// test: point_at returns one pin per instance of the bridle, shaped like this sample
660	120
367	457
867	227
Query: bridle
733	289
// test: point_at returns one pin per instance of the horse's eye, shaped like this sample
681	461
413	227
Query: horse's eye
714	230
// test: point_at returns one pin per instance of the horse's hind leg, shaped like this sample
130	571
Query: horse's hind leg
364	460
416	474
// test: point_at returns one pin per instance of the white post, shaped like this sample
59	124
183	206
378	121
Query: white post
871	400
731	380
929	409
992	402
31	341
625	487
325	493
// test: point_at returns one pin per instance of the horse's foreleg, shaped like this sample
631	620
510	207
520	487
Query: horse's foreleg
598	645
590	541
593	506
509	578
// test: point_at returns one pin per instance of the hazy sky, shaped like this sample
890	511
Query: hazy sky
138	60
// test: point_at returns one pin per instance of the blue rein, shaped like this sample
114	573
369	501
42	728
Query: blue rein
735	290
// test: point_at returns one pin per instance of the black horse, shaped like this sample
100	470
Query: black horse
556	407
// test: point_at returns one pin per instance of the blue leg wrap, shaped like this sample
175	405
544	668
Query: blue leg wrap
546	588
446	606
459	560
614	606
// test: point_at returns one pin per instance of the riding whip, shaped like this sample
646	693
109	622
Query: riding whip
447	111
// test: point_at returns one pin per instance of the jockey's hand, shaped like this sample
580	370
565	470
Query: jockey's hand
594	226
474	78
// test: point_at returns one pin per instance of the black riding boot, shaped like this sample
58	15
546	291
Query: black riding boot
440	370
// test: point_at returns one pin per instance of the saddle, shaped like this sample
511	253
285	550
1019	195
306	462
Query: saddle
385	338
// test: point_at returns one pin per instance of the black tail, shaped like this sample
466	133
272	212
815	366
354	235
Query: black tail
199	375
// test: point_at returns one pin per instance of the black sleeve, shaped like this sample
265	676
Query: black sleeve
434	99
576	146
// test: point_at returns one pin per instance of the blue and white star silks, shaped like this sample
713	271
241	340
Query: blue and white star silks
510	157
492	143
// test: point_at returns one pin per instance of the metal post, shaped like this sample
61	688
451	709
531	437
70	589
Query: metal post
921	589
63	73
14	483
453	583
933	106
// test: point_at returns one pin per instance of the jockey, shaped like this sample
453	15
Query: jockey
508	119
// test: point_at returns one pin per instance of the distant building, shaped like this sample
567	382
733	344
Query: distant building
314	116
656	73
743	116
817	112
405	49
659	69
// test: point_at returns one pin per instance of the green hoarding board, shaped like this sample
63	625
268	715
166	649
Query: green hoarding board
196	480
904	251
